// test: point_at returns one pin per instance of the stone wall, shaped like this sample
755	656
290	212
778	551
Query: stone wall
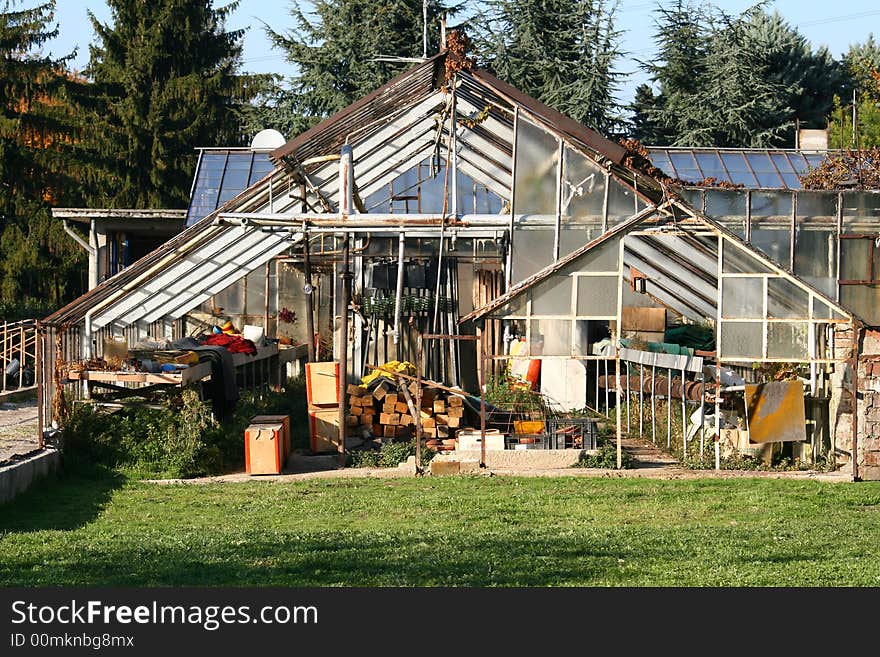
868	410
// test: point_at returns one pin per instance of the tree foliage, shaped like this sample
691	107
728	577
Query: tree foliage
862	62
740	81
39	264
562	52
165	82
342	53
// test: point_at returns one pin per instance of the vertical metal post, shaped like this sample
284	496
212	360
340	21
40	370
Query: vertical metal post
482	400
683	412
346	181
38	367
398	293
309	290
641	397
419	351
702	416
266	299
654	401
628	412
668	408
717	424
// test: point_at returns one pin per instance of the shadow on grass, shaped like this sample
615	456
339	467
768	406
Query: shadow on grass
67	501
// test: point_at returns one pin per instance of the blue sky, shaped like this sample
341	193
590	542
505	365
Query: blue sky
836	25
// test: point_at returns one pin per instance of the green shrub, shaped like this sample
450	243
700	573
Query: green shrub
389	455
181	439
605	457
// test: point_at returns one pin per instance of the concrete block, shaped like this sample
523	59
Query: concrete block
18	476
441	467
469	466
870	473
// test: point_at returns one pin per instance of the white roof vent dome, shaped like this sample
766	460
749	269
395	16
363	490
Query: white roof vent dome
267	140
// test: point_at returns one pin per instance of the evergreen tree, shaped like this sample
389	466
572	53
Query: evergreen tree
809	79
562	52
40	267
678	70
165	81
863	65
735	81
344	54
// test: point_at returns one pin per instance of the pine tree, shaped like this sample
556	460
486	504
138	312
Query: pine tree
809	79
39	265
344	54
717	84
562	52
165	81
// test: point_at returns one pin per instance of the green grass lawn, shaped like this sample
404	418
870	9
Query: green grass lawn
444	531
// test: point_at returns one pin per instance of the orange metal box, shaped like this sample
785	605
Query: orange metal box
284	421
263	444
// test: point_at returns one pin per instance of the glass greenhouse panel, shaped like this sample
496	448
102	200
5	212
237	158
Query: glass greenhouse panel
537	157
728	207
771	225
621	202
861	212
815	253
583	189
532	251
863	300
597	296
788	340
552	296
742	298
855	259
737	261
785	300
741	339
550	337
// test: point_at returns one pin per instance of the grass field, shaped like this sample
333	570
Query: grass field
445	531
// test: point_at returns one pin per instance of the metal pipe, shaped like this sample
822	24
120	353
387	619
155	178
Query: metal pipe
309	291
419	350
38	366
346	182
398	293
482	399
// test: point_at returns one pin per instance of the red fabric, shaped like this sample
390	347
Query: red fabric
234	343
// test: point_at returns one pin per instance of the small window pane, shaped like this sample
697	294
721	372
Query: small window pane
855	260
710	163
863	300
685	166
737	261
861	212
537	155
552	296
597	296
621	202
771	225
742	298
741	339
788	340
550	337
740	172
728	207
532	251
785	300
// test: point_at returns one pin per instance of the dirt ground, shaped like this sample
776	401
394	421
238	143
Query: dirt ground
18	429
648	462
